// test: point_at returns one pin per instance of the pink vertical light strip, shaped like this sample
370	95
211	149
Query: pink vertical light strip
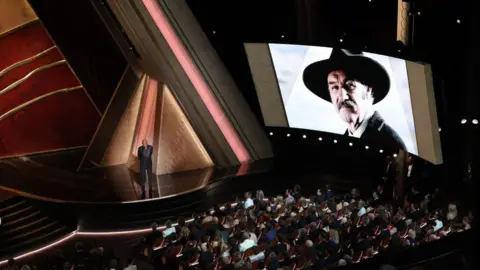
195	77
147	115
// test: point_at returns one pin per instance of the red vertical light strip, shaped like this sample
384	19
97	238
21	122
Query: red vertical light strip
195	77
147	115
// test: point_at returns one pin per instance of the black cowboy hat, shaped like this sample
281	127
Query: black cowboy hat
363	69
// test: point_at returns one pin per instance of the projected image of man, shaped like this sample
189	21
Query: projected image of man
353	84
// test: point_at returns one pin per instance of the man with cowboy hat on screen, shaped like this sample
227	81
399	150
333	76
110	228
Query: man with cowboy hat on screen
353	83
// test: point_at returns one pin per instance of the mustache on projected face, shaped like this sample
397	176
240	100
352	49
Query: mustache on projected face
348	104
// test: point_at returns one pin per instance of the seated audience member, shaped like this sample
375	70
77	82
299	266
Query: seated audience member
113	265
12	265
361	206
217	212
207	217
154	235
206	256
290	199
248	200
81	255
130	265
169	230
273	263
452	212
329	192
260	200
271	232
247	242
297	192
229	222
319	198
182	228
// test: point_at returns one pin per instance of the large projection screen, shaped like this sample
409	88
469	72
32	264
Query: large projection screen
366	96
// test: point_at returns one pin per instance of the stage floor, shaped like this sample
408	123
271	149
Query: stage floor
54	177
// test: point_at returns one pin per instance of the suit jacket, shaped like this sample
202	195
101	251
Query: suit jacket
145	162
378	131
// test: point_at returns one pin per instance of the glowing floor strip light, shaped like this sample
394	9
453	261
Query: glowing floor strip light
72	234
126	232
195	77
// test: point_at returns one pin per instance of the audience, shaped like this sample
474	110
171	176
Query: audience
328	230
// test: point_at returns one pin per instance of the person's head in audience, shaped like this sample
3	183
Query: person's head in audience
260	196
11	264
79	247
309	243
168	224
130	261
245	236
248	195
181	222
154	226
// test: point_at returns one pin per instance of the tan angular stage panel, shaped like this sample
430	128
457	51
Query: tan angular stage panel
14	14
120	148
179	148
154	114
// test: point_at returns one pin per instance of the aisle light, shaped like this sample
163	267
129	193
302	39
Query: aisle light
320	138
366	147
394	155
288	134
351	144
474	121
381	151
304	136
271	133
463	121
334	141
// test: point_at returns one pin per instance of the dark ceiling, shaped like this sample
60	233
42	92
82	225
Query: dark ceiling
438	38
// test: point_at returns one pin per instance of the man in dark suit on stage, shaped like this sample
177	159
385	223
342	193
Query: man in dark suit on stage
145	157
353	83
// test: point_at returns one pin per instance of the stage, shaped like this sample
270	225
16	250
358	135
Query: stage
29	177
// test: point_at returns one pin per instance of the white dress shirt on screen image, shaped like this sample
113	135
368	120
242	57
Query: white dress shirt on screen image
359	131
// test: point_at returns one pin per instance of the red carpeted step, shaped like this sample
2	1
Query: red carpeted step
59	121
23	43
43	82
